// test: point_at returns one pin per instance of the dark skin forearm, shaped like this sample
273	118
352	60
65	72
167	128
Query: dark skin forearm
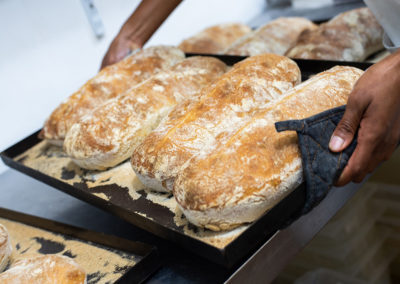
139	27
373	109
146	19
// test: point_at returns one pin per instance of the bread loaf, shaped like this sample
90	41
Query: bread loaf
350	36
109	134
215	39
243	178
195	127
108	83
45	269
274	37
5	247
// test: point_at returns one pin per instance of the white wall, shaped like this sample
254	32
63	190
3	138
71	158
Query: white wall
48	50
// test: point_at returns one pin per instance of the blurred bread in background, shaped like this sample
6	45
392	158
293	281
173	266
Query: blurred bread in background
350	36
214	39
277	36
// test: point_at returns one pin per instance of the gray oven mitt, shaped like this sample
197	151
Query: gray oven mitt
321	167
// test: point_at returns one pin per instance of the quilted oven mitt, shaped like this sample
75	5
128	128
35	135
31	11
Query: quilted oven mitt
321	167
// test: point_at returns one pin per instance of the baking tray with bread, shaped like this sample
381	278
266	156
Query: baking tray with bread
354	35
184	145
37	250
119	190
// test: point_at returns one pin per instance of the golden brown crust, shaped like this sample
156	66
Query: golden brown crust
5	247
241	179
108	83
109	134
274	37
214	39
198	126
45	269
350	36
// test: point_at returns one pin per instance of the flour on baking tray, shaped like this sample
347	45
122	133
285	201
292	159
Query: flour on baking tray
52	161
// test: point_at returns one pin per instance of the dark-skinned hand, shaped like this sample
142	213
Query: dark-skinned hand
373	109
138	28
120	47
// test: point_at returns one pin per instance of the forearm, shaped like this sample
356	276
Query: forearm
146	19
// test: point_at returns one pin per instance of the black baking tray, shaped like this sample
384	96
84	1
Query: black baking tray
308	67
161	222
148	263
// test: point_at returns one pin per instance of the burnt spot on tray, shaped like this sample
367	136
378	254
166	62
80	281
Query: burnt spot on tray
95	277
106	180
69	254
67	174
119	196
121	269
193	228
146	192
49	246
25	250
142	192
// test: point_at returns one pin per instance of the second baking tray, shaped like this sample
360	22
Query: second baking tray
119	191
105	258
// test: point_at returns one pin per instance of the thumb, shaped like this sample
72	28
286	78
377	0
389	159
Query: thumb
346	129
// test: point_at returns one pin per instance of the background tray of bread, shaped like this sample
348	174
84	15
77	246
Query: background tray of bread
104	258
120	192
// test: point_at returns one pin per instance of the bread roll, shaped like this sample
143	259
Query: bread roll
108	83
195	127
45	269
214	39
109	134
274	37
350	36
243	178
5	247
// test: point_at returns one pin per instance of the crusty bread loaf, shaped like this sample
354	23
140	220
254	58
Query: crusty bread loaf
110	133
350	36
215	39
241	179
5	247
44	269
108	83
198	126
276	37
